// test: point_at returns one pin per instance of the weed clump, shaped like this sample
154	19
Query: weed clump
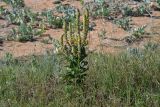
74	43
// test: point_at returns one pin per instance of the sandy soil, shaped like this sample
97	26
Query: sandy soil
95	43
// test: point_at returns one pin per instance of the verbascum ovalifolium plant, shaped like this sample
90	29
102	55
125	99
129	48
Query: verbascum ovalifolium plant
74	45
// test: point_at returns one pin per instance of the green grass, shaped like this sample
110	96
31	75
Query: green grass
131	79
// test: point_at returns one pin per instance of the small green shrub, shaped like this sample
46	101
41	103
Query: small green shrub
68	11
138	11
15	3
141	11
25	32
98	8
151	46
48	40
3	12
53	21
8	59
82	1
102	34
20	16
124	23
158	1
102	10
127	11
139	32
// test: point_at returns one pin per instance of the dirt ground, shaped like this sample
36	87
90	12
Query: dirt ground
110	44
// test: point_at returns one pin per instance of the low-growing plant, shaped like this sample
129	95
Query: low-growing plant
127	11
151	46
139	32
124	23
68	11
24	32
158	1
52	20
58	22
98	8
19	16
102	34
74	42
82	2
101	10
8	59
138	11
15	3
3	12
48	40
136	52
142	10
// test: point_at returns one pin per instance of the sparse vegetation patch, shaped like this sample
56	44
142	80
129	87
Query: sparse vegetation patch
79	53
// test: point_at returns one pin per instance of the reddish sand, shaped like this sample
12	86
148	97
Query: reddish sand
112	31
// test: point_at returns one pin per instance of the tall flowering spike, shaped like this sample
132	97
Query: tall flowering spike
87	14
73	51
78	22
79	46
87	19
65	27
74	41
78	32
70	34
85	25
84	28
62	41
65	32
